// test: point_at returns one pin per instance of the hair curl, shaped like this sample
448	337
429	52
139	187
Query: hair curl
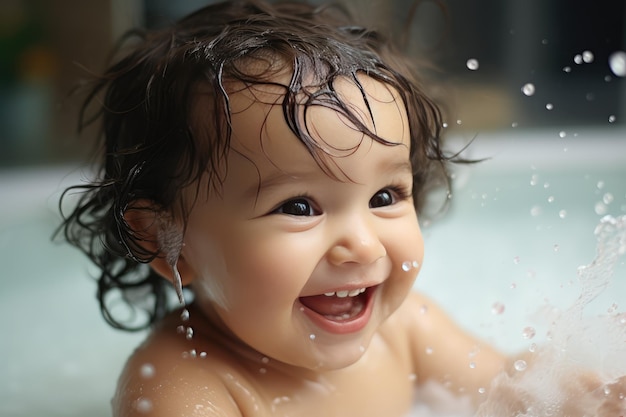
152	149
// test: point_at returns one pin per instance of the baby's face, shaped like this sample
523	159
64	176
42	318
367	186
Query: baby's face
300	265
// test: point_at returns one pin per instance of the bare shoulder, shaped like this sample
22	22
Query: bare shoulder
164	377
445	352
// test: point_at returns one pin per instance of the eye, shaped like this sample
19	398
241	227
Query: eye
296	207
382	198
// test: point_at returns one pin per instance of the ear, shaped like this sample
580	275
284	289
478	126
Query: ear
154	232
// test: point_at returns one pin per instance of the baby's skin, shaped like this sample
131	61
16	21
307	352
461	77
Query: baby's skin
303	275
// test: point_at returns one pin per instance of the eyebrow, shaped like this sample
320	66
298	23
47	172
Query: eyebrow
278	177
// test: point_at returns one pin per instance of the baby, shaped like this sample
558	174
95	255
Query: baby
272	160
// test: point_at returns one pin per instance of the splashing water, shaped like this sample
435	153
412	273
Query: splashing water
573	373
557	379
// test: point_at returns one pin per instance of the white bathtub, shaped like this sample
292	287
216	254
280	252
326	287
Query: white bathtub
502	242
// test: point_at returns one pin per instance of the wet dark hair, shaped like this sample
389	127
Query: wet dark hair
153	147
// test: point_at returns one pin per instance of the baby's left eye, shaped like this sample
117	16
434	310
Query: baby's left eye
382	198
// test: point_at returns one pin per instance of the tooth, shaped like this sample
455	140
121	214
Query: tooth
354	293
329	294
342	294
362	290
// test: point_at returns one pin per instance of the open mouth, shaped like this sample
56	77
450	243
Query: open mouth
340	311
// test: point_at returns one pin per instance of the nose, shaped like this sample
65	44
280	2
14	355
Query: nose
356	240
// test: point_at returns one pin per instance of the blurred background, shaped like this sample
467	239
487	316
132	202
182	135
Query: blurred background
483	51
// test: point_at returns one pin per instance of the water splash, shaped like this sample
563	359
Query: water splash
575	372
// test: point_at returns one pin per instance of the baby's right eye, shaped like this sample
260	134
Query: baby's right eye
296	207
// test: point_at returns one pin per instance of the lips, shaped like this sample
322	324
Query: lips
344	311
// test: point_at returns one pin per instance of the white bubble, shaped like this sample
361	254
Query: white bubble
617	62
312	336
600	208
528	89
607	198
528	332
567	69
562	134
143	405
147	370
406	266
588	57
520	365
563	214
535	211
578	59
514	124
497	308
612	118
472	64
549	106
184	315
472	365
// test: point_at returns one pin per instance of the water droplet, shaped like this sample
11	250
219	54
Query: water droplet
184	315
528	89
445	125
459	122
567	69
180	329
607	198
520	365
600	185
551	199
514	124
528	332
600	208
481	390
608	78
562	134
532	348
143	405
612	118
588	57
544	41
265	360
546	185
312	336
472	64
416	264
549	106
534	179
578	59
406	266
147	370
189	333
617	62
563	214
497	308
262	370
472	365
535	211
607	391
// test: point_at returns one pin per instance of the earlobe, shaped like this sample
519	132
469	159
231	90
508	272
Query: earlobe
156	232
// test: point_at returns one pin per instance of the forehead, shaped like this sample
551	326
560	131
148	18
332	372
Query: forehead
332	121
